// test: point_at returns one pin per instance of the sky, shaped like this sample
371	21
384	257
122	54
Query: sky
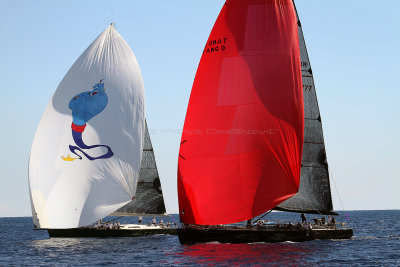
354	49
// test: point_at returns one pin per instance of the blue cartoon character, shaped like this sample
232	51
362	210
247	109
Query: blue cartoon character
85	106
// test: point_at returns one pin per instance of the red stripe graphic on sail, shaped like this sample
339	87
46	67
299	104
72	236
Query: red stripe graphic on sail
243	130
78	128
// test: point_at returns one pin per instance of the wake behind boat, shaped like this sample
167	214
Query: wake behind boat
259	144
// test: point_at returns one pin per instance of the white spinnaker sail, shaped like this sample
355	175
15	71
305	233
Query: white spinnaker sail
103	89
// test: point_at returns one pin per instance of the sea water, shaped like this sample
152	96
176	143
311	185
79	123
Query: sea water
376	241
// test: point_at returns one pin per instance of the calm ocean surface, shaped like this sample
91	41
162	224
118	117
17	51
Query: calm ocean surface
376	241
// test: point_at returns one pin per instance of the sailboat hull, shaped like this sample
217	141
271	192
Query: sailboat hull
254	235
92	232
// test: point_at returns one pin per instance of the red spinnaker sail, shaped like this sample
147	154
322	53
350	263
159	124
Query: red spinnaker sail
242	140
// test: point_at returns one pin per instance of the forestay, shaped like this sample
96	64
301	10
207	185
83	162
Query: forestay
86	154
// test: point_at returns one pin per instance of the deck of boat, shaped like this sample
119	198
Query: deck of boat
129	230
190	235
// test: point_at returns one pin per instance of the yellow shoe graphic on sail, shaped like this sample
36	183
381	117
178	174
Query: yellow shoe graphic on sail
68	158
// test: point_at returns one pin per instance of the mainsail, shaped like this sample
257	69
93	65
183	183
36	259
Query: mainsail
149	198
242	140
314	194
86	154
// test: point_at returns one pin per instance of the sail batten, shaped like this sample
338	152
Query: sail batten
314	194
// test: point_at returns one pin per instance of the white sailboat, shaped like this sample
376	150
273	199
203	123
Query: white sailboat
86	155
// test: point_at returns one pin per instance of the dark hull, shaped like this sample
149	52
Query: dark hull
91	232
242	235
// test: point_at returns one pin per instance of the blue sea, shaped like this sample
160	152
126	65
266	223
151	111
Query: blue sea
376	242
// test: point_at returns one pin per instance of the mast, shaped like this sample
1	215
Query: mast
314	194
149	199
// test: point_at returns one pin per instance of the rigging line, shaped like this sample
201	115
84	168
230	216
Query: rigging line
180	154
262	216
337	191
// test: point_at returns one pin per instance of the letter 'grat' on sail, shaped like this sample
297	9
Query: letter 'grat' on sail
86	153
242	140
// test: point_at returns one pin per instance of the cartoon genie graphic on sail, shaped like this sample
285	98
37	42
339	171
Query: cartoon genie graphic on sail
85	106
